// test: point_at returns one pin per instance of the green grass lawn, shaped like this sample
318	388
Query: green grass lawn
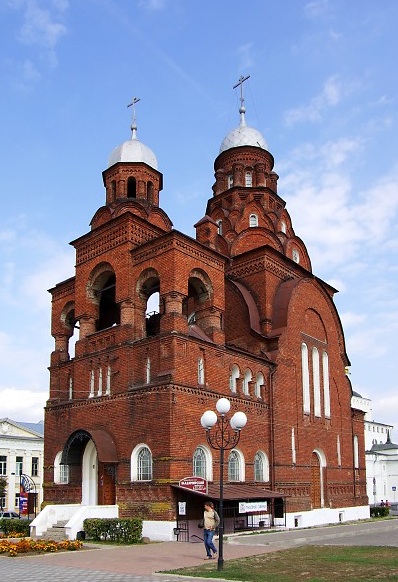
307	563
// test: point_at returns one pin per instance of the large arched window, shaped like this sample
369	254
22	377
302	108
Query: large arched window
326	388
141	463
235	466
316	381
261	467
305	373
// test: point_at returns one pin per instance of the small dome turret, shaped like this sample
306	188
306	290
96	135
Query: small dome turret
133	150
243	135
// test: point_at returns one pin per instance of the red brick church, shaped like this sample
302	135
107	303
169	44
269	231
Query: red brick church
238	314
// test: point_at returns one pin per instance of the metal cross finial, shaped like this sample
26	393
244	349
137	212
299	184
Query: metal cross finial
134	121
242	79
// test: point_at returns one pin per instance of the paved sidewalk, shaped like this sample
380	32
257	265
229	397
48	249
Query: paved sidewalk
99	563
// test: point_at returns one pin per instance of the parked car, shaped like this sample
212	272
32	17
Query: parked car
9	515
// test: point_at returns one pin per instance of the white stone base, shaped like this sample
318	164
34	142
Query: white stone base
300	519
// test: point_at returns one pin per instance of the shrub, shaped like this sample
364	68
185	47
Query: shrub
379	511
15	526
125	531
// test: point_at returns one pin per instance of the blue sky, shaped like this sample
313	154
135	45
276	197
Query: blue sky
322	90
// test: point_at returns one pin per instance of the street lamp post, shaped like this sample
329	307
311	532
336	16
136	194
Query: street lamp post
224	437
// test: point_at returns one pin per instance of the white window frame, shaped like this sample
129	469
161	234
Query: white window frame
247	377
253	220
233	379
239	475
259	382
264	469
135	458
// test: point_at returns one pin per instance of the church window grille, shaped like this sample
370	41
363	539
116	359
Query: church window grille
199	463
248	179
144	465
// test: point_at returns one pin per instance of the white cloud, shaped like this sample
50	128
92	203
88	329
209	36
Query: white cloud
350	319
40	28
22	405
332	93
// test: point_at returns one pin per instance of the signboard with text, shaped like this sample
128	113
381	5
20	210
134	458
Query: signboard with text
252	506
194	484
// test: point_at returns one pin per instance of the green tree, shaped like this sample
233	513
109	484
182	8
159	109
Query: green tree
3	485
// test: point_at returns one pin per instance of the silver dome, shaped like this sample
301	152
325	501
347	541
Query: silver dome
133	151
243	136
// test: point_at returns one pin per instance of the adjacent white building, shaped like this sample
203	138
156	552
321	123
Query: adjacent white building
381	456
21	463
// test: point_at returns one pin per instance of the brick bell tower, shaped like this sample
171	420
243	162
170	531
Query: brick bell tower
237	313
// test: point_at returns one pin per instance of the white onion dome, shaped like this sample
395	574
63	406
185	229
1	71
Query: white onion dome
133	150
243	136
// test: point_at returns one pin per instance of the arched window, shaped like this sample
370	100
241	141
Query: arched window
92	384
131	187
338	451
230	181
253	220
109	310
259	383
219	225
236	466
235	373
316	381
293	446
99	393
61	472
201	371
70	385
141	463
248	178
326	388
245	383
108	381
356	452
148	370
305	379
283	226
233	466
295	256
261	467
199	463
149	191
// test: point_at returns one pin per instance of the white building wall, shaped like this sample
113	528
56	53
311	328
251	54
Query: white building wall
18	441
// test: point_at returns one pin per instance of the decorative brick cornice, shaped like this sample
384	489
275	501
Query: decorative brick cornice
259	264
